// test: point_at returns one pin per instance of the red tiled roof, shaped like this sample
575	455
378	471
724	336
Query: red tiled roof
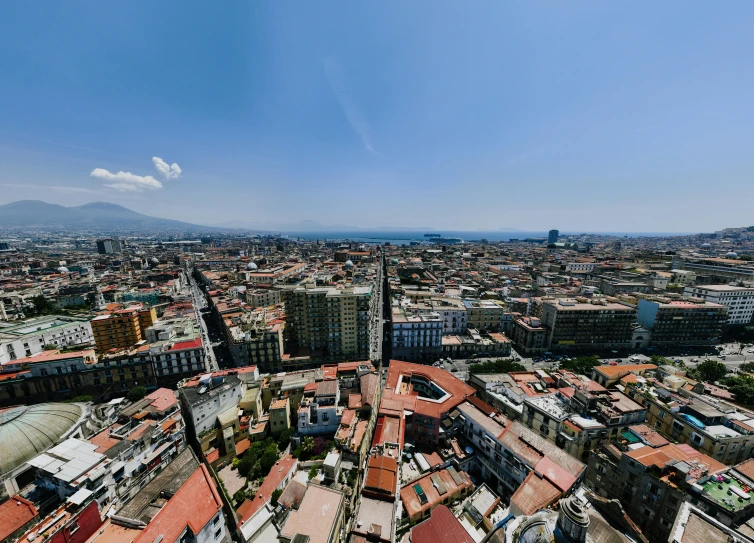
441	527
382	475
535	493
162	399
274	479
194	505
387	430
15	513
192	344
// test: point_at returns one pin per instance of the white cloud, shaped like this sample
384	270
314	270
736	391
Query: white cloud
356	119
123	187
126	181
172	171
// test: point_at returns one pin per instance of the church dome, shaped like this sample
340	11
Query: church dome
26	431
251	266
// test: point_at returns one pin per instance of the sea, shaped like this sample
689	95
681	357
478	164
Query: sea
407	237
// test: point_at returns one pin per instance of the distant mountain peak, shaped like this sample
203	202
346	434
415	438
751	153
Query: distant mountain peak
103	216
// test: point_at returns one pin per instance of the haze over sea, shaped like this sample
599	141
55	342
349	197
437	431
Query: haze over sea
396	237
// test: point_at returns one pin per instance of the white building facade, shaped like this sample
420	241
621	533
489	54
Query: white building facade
31	336
738	300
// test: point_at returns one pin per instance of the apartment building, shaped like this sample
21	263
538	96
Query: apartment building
484	314
320	414
204	399
422	396
682	322
262	297
451	310
55	376
109	246
529	335
334	323
258	344
319	517
714	429
508	453
651	483
416	336
738	300
576	324
717	270
122	328
29	337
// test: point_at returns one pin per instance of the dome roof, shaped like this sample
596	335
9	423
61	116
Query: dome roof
394	261
26	431
155	260
251	266
731	255
62	269
706	245
349	264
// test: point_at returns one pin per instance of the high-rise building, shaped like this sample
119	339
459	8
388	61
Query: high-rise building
334	323
680	322
596	325
738	300
108	246
552	236
123	328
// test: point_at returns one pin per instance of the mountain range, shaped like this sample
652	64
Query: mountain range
105	216
94	216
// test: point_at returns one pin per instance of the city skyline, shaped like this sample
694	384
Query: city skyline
586	117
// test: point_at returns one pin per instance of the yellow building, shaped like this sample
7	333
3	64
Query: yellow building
122	328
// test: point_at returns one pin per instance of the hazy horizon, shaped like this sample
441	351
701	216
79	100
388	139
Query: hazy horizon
586	117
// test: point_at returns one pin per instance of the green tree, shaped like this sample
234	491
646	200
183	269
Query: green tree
496	366
710	371
313	472
307	445
276	496
285	438
582	365
239	497
747	367
136	394
742	388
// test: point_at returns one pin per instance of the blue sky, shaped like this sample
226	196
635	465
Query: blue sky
601	116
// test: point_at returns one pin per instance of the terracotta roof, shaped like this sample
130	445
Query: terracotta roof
382	475
535	493
279	472
293	495
411	500
15	513
441	527
162	399
103	441
457	389
746	468
387	430
193	506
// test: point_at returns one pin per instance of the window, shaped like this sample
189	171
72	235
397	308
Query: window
218	532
